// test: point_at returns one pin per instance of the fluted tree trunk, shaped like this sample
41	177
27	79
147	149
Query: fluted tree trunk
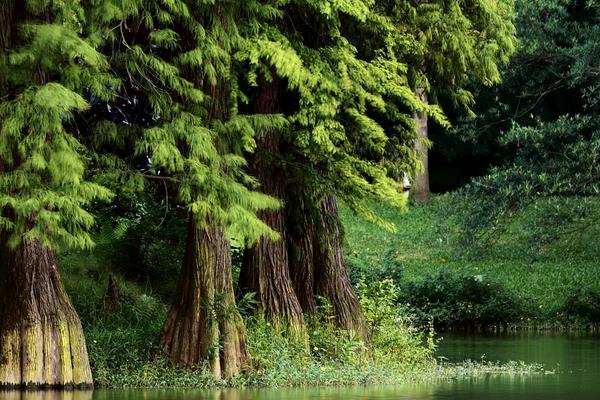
204	326
265	267
41	338
420	188
317	263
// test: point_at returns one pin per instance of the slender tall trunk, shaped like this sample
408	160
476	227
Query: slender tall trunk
317	262
265	268
204	326
421	191
41	339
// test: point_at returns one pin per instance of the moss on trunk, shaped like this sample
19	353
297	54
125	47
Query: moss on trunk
41	339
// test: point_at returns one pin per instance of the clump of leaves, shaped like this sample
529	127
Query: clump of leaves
582	306
461	301
395	339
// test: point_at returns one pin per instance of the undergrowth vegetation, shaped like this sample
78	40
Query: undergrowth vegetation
423	282
122	325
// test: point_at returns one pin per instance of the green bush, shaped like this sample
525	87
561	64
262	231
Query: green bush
123	339
462	301
329	344
582	306
388	267
142	239
394	338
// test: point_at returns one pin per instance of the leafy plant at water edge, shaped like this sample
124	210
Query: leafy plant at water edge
394	338
461	301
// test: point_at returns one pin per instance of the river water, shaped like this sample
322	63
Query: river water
575	357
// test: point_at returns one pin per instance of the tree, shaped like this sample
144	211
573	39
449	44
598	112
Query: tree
180	67
453	41
265	268
545	117
48	70
337	92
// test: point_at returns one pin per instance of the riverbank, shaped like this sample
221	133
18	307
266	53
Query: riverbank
528	276
122	326
122	321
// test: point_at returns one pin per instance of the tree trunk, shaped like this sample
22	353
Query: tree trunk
204	326
301	235
265	268
317	262
421	182
41	339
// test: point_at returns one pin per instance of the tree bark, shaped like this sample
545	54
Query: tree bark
41	339
420	187
317	262
265	268
204	326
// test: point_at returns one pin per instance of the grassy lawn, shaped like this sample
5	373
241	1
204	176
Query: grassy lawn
523	258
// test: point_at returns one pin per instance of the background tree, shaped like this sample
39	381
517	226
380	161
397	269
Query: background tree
545	117
451	42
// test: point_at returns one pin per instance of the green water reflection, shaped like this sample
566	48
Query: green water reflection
577	358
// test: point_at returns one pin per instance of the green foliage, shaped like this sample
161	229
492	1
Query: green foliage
582	306
125	339
461	301
393	335
454	41
178	107
348	90
142	237
121	334
545	115
329	343
552	160
44	186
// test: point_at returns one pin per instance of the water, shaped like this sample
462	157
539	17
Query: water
577	359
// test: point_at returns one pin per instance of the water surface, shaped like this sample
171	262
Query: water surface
576	358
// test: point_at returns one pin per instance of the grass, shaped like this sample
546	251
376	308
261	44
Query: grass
124	352
528	260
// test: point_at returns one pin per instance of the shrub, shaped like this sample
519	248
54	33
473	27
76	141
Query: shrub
461	301
581	306
395	340
125	338
329	344
388	267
